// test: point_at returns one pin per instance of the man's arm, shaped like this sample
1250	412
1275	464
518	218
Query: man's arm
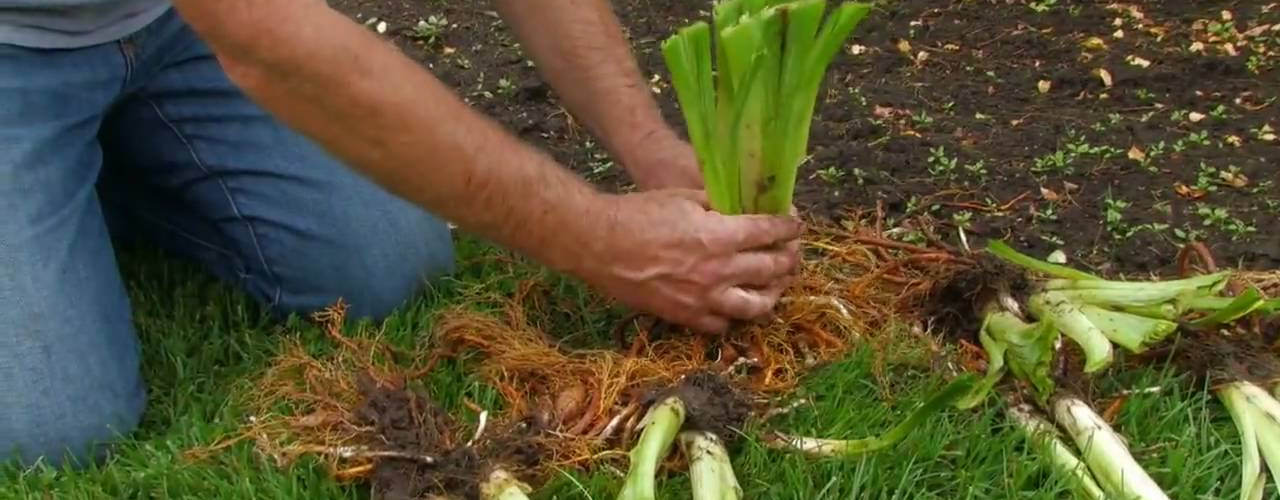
384	115
578	47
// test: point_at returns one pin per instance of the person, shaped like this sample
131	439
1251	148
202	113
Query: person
294	153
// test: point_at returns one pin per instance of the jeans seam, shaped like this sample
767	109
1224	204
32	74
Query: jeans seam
196	239
226	190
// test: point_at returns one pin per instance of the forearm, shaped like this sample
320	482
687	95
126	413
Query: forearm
579	49
386	116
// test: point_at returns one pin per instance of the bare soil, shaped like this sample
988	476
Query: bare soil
989	115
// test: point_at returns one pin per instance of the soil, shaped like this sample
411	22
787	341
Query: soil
408	421
712	404
1219	358
957	303
936	109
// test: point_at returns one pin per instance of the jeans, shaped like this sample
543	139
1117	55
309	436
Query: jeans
148	131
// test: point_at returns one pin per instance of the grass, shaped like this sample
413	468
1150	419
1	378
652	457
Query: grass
204	345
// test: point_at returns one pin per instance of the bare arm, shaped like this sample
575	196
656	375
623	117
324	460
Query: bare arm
579	49
324	75
381	112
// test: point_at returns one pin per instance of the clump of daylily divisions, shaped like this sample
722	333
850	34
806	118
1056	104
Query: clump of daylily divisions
1023	306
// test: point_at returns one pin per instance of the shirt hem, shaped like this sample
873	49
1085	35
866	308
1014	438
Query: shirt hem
39	38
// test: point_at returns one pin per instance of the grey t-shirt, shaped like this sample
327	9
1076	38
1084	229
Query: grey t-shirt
61	24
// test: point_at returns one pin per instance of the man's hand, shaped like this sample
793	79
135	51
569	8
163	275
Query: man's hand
666	252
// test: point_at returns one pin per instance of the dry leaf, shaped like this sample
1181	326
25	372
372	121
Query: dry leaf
883	112
1227	16
1044	86
951	47
1258	30
1138	61
1137	154
1233	179
904	47
1103	75
1094	43
1188	192
1196	47
1234	140
921	56
1229	49
1267	134
1015	123
1049	194
1070	187
1195	116
1118	34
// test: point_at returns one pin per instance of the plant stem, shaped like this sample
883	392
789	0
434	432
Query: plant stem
660	424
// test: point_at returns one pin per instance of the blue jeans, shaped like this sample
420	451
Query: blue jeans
150	132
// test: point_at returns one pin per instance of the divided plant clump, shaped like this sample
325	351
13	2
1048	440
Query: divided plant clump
1022	308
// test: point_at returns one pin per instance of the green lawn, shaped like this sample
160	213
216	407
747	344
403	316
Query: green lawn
205	345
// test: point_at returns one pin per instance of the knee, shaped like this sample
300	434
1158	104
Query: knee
65	431
373	266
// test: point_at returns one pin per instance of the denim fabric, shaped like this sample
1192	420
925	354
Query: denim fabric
147	131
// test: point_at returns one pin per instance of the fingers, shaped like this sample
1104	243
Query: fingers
762	231
761	268
698	196
742	303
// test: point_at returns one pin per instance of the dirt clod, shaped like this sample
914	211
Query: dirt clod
712	403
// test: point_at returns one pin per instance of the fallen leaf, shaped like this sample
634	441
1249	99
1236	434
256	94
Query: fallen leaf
1138	61
904	47
921	56
1234	140
1049	194
1196	47
951	47
382	27
1015	123
1094	43
1044	86
1118	34
1070	187
1195	116
1227	15
448	51
883	112
1267	134
1137	154
1188	192
1117	22
1233	179
1229	49
1257	31
1103	75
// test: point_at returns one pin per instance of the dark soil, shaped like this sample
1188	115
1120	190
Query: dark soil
1216	357
408	421
712	404
957	303
955	125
